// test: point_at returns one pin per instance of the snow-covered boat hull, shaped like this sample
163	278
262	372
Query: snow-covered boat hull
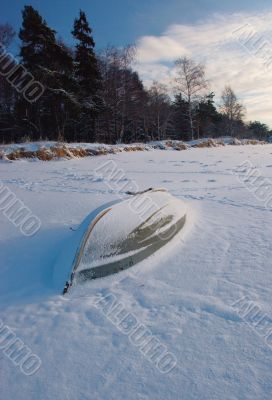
128	261
126	233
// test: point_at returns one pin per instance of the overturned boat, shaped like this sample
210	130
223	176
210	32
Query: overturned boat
119	235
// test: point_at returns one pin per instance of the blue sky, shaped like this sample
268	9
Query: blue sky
210	31
123	21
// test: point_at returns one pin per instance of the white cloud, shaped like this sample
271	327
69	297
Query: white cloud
164	47
221	43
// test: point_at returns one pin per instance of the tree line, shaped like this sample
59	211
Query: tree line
99	97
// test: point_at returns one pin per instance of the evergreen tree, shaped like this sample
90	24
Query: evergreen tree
37	40
51	63
86	69
180	118
258	130
208	118
87	74
7	93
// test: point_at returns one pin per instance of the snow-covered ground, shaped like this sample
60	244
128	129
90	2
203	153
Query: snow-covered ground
189	294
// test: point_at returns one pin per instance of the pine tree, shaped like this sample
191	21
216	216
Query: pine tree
86	70
37	40
87	74
7	93
51	63
180	118
207	117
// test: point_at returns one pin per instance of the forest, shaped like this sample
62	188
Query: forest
55	91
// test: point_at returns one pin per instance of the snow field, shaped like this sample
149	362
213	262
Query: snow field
184	294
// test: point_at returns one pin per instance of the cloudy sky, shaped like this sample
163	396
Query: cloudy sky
233	38
236	49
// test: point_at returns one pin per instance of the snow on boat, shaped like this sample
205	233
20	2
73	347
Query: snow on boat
122	234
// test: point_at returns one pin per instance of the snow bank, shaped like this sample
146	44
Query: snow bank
47	151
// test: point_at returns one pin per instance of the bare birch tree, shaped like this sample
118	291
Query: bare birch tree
232	110
190	82
159	109
126	57
118	78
